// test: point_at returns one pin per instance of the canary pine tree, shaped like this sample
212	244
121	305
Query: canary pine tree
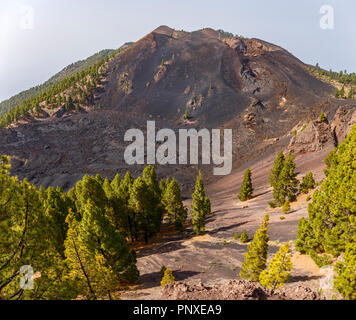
173	204
283	179
154	193
256	257
274	177
246	188
279	269
332	219
308	183
144	218
200	206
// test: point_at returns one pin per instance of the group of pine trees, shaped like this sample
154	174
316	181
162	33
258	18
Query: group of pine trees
78	242
73	91
341	93
331	226
282	179
343	76
254	267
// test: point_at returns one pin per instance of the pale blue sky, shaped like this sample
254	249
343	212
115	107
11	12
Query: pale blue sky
69	30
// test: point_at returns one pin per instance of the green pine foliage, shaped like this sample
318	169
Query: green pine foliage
78	241
332	222
308	183
173	205
320	260
286	207
200	206
186	115
75	88
244	237
167	278
246	190
283	180
279	269
345	281
342	76
256	257
322	117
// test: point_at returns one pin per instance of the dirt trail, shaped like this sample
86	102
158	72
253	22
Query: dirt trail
216	256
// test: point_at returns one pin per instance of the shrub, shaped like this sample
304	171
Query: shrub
167	278
279	269
322	117
286	207
271	204
244	237
236	236
161	272
186	115
308	183
320	260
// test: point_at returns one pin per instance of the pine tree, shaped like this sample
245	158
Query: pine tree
307	184
144	214
172	201
156	210
246	188
200	206
283	179
288	180
274	177
256	256
127	216
56	205
279	269
286	207
244	237
332	223
79	260
167	278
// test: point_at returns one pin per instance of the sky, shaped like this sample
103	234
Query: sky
39	37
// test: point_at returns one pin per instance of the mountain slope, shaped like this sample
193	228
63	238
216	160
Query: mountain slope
78	66
256	88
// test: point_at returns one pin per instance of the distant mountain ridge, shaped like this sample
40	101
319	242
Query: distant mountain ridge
78	66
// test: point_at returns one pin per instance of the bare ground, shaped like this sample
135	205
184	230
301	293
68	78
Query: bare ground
216	257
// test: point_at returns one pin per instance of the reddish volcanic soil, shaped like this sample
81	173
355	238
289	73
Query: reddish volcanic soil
206	259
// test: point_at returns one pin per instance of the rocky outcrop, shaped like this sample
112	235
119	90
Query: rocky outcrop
318	135
344	119
236	290
311	137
